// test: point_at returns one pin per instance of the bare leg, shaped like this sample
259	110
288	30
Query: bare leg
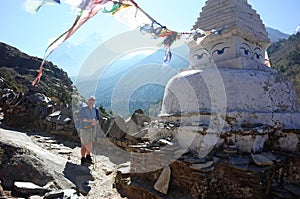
83	151
88	148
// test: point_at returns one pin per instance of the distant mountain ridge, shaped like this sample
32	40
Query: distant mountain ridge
276	35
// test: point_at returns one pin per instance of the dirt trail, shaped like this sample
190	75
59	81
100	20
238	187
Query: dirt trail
99	185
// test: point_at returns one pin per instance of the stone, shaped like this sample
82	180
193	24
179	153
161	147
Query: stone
165	142
244	143
29	188
221	154
280	193
295	190
241	167
64	193
79	175
65	152
124	168
192	160
162	184
259	142
261	160
269	155
230	150
201	166
132	127
54	194
140	118
289	142
56	113
238	160
118	128
180	151
38	98
137	146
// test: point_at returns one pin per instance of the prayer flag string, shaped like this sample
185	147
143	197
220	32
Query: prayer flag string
129	13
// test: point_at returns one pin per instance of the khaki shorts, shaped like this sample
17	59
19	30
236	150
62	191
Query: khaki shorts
86	136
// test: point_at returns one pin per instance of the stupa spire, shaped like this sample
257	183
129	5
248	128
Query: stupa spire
244	35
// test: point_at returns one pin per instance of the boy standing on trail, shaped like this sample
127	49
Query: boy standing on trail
89	118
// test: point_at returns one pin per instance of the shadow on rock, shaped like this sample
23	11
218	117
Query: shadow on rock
79	175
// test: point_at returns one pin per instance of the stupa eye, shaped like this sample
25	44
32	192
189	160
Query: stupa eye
245	51
257	56
220	52
200	56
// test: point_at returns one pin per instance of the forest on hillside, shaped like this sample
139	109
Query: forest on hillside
285	58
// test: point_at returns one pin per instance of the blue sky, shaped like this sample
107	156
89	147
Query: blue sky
31	32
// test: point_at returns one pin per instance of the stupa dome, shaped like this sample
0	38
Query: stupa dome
227	74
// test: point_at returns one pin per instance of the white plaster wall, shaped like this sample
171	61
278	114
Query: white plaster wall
237	90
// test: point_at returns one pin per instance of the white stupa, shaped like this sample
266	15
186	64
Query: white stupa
228	85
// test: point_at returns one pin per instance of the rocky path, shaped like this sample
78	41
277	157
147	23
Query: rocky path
63	156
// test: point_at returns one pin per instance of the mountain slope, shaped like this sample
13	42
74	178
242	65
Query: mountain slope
276	35
285	57
20	69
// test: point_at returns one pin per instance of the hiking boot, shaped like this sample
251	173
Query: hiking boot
83	160
88	159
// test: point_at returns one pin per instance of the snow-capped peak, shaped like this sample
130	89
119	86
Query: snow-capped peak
298	29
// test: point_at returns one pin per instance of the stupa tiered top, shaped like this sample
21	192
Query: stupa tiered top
243	41
231	15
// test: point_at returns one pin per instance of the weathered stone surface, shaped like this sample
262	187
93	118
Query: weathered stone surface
269	155
54	194
230	150
201	166
221	154
289	142
29	188
259	142
118	128
66	193
295	190
79	175
140	118
162	183
280	193
244	143
193	160
261	160
64	151
124	168
31	163
238	160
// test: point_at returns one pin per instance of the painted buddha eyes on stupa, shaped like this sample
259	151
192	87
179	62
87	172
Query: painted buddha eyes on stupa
219	52
219	49
200	56
257	53
257	56
245	51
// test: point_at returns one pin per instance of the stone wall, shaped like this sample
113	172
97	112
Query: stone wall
34	111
